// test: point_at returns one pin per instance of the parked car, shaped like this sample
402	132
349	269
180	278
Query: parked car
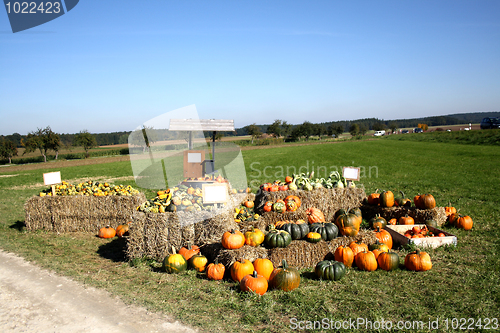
490	122
379	133
405	132
418	130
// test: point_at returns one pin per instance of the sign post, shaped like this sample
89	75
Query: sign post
52	178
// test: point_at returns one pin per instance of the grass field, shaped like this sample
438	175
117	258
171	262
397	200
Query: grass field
463	283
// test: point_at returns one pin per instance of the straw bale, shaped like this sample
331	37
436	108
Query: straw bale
419	215
228	257
302	254
328	201
79	213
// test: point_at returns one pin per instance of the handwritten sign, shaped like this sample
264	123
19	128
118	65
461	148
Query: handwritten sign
351	173
52	178
214	193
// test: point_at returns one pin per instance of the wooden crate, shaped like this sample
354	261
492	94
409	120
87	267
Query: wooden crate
397	233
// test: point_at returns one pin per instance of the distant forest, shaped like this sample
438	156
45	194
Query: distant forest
115	138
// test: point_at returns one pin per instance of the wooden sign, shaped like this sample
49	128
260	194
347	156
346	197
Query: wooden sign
214	193
52	178
351	173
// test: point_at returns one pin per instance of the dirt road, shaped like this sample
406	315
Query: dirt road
38	301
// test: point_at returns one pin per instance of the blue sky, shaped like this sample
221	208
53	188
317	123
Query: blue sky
112	65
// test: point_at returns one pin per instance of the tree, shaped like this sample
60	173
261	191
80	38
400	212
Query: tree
8	149
86	140
145	137
319	130
363	129
286	129
393	126
307	129
336	130
296	133
354	129
275	128
254	131
378	126
43	140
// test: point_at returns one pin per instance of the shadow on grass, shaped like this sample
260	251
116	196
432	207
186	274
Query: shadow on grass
114	250
19	225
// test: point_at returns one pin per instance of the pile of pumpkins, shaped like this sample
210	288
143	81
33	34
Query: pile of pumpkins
90	188
109	232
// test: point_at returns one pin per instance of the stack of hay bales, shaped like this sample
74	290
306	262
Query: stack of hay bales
79	213
419	215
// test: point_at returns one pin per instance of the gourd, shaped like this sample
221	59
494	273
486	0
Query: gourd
328	231
233	239
254	282
284	277
174	263
330	270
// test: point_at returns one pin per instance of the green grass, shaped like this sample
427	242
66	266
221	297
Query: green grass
481	137
463	283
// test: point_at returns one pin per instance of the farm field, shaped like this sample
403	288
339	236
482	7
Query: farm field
464	282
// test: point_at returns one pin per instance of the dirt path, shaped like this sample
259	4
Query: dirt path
36	300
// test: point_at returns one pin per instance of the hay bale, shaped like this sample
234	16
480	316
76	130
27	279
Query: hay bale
328	201
419	215
302	254
228	257
79	213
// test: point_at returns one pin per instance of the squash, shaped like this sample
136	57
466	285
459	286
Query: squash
431	223
328	231
263	267
386	199
426	201
344	255
198	262
277	238
279	206
174	263
215	271
285	278
388	261
313	237
315	215
373	199
402	201
254	282
122	230
240	268
233	239
298	229
330	270
378	246
418	261
268	206
189	250
377	222
254	237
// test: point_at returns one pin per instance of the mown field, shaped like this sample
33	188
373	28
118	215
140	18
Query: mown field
463	283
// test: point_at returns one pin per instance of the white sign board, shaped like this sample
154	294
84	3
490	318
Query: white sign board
52	178
214	193
194	157
350	173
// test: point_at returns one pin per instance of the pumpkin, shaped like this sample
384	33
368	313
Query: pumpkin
431	223
402	201
254	282
392	222
122	230
288	179
453	218
291	205
284	277
384	237
426	201
294	198
279	206
314	215
313	237
377	222
198	262
240	268
107	232
386	199
366	261
263	267
215	271
358	247
297	230
254	237
377	252
283	187
379	246
448	210
174	263
328	231
189	251
268	206
388	261
233	239
345	255
248	204
277	238
348	224
406	220
330	270
418	261
373	199
464	222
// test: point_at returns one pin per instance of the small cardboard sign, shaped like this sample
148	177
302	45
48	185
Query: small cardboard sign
351	173
214	193
52	178
194	157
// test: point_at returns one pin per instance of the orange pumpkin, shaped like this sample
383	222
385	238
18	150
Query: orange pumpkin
426	201
344	255
358	247
448	210
268	206
254	282
263	267
406	220
240	268
418	261
314	215
366	261
386	199
189	250
464	222
254	237
233	239
248	204
384	237
392	222
373	199
215	271
122	230
107	232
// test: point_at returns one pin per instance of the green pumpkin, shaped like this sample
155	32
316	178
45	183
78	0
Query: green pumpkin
431	223
313	237
379	246
296	230
328	231
174	263
388	261
330	270
377	221
348	224
285	278
277	238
